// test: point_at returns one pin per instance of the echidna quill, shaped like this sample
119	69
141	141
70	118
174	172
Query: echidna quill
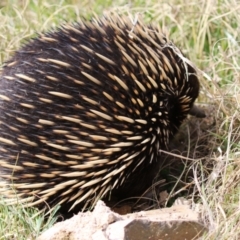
85	106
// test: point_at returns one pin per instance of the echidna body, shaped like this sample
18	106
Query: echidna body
85	106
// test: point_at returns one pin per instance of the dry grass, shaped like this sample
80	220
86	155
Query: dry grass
208	32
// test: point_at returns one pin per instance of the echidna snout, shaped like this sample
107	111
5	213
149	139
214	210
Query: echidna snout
85	106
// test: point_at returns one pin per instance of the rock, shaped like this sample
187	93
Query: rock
177	222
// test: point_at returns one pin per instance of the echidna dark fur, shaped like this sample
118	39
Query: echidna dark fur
85	106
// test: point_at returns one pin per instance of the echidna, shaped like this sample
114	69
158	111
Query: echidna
85	106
